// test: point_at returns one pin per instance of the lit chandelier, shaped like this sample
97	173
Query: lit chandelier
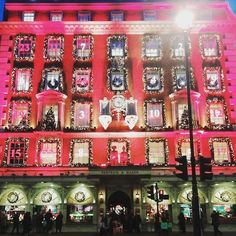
118	105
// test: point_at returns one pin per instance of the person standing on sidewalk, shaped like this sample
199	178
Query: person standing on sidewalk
59	219
16	222
215	217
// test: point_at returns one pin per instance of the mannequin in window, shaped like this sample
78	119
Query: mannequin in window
114	156
123	156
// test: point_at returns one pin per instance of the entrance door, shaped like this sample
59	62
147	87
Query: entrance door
119	202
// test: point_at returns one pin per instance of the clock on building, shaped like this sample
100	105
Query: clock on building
79	196
12	197
118	102
46	197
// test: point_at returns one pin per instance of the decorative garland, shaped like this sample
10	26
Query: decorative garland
218	45
90	158
49	140
76	51
153	85
119	140
28	45
231	150
215	100
49	58
220	73
82	101
147	151
146	39
24	124
85	86
7	151
13	80
118	82
58	84
187	140
154	100
174	76
119	39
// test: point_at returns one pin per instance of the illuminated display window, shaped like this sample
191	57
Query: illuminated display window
117	46
22	80
217	115
117	79
151	47
154	114
177	48
149	15
81	115
118	152
156	151
117	16
81	80
16	152
184	148
82	47
49	151
50	114
24	47
84	16
153	79
210	46
53	48
52	79
19	113
81	152
213	79
221	150
56	16
28	16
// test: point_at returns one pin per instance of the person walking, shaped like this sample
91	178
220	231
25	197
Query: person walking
137	223
27	224
181	222
59	219
215	217
16	222
48	218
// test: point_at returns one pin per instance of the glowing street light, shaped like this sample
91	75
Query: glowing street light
184	21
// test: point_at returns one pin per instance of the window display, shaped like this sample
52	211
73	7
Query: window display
82	47
151	47
153	79
82	214
117	46
22	80
210	46
81	80
213	79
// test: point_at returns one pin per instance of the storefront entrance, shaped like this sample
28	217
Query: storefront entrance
119	202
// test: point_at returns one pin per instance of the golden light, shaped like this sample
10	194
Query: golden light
184	19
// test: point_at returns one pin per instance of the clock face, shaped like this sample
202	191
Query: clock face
79	196
118	102
46	197
13	197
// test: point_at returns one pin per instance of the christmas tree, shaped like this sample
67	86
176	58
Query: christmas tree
49	122
184	122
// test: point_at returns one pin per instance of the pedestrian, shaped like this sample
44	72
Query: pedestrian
59	219
157	224
215	217
16	222
27	224
39	222
181	222
137	223
48	218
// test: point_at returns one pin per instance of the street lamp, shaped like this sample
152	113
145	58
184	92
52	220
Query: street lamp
184	20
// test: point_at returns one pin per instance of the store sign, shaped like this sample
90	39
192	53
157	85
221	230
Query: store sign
120	172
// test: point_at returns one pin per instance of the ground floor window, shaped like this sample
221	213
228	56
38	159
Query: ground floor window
10	211
81	214
225	210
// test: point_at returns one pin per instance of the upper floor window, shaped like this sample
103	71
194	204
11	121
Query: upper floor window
53	48
222	150
213	79
210	46
19	113
117	46
82	47
177	47
22	80
24	47
217	113
81	118
151	47
80	152
81	80
56	16
149	15
52	79
117	79
28	16
156	151
117	15
154	114
84	16
49	152
16	152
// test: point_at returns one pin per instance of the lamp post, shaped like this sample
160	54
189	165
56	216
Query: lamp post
184	21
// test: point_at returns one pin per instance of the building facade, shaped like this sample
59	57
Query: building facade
93	108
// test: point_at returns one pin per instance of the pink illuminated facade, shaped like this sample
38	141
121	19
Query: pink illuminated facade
93	108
